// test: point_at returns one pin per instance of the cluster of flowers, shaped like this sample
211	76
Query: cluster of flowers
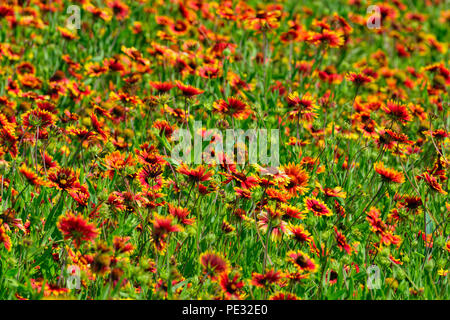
85	141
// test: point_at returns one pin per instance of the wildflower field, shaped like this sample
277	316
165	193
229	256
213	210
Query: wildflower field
191	149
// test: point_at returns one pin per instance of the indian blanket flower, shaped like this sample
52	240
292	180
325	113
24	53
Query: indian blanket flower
432	182
304	105
31	177
231	286
301	261
233	107
38	118
397	112
358	78
77	228
120	9
299	233
333	39
121	244
162	227
116	161
374	219
245	181
292	211
263	20
4	238
195	175
214	264
283	296
277	195
150	177
388	174
188	91
267	279
272	217
410	202
8	142
80	194
317	207
62	178
162	87
298	179
342	241
181	214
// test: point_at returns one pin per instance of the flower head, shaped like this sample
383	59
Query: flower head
317	207
301	261
388	174
213	264
77	228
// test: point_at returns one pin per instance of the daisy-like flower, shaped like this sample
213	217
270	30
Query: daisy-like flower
331	38
150	177
317	207
342	241
120	9
388	174
231	287
358	78
4	238
67	33
274	218
162	87
377	225
243	193
149	155
117	161
432	182
98	127
233	107
336	192
277	195
121	244
411	202
283	296
188	91
298	179
397	112
301	261
31	176
162	227
303	104
8	142
181	214
62	178
178	28
49	289
214	264
38	118
196	175
263	20
292	211
299	233
438	134
267	279
80	194
83	134
245	182
77	228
